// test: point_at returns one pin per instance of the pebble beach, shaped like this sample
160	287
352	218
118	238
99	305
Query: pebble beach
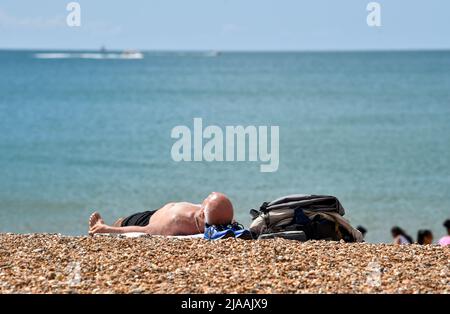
48	263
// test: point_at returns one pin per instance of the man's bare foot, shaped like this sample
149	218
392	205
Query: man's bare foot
94	219
96	223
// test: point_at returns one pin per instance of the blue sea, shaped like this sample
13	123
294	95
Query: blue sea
80	133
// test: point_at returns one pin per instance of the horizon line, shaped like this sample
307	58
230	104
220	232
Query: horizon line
236	50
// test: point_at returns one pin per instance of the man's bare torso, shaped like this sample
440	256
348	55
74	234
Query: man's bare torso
181	218
176	218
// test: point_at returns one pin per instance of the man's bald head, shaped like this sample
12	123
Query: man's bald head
218	209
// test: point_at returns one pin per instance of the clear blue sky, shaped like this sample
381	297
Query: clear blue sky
226	25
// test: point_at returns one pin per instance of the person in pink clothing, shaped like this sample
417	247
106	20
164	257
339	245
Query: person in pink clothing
444	241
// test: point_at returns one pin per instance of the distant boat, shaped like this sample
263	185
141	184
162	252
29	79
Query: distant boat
101	54
131	54
212	53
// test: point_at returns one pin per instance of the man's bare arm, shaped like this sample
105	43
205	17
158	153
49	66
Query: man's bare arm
127	229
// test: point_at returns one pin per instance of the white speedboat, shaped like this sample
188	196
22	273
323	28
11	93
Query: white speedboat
131	54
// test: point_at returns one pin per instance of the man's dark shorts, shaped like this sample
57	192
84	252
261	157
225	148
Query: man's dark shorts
138	219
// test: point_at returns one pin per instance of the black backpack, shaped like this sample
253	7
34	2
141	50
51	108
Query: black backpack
318	216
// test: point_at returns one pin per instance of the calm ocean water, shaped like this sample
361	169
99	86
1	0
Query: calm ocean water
372	128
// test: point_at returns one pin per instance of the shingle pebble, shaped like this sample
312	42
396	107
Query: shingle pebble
48	263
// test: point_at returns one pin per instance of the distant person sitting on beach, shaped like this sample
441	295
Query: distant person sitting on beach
362	230
400	236
424	237
444	241
172	219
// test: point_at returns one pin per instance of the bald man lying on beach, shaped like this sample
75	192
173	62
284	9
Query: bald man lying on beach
172	219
